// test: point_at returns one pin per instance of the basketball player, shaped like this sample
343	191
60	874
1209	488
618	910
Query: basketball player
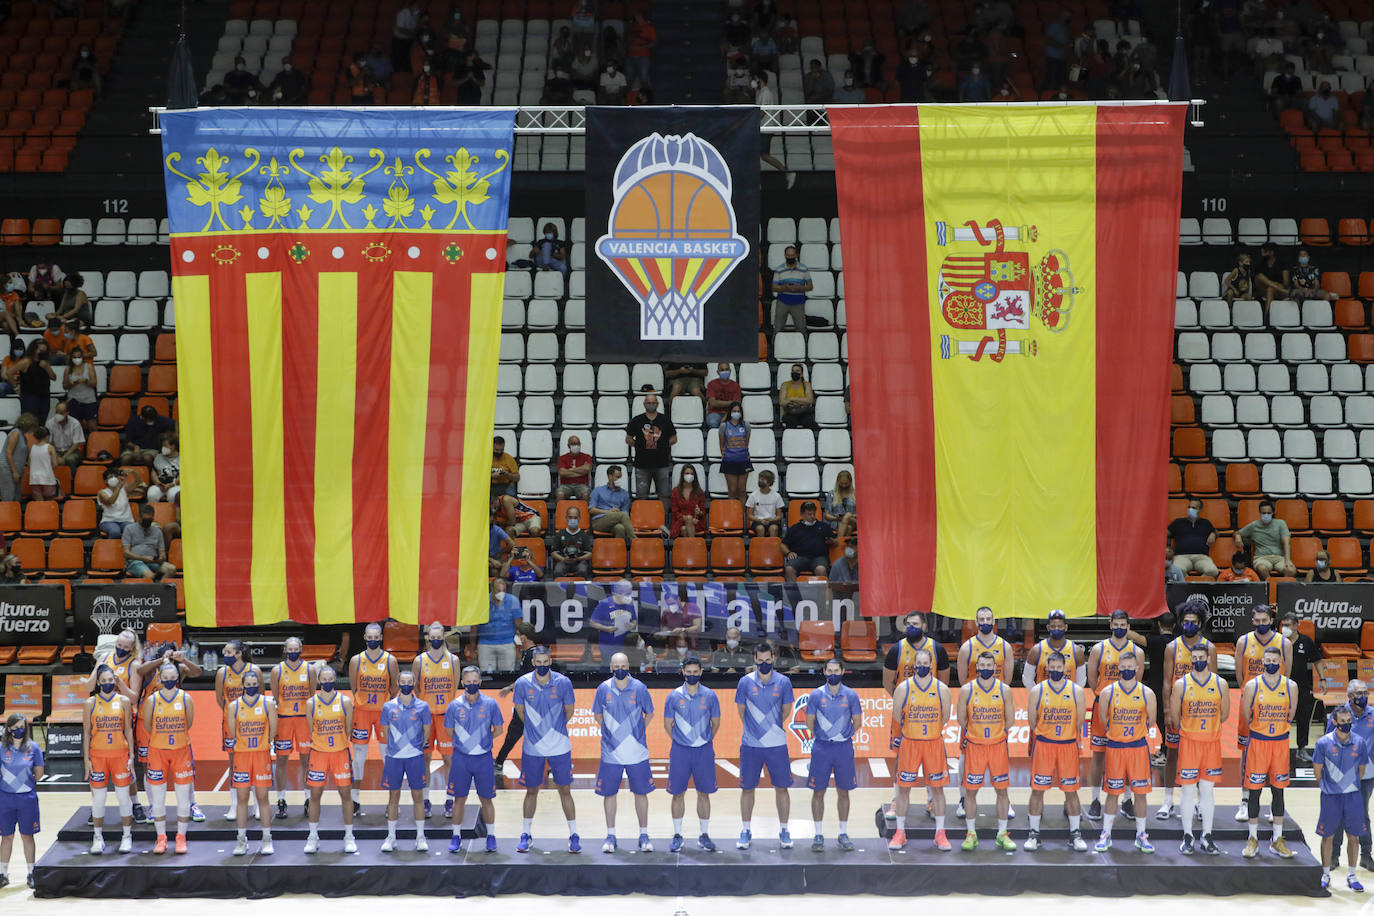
1267	705
985	640
252	724
986	712
436	683
122	659
1250	649
691	717
107	742
544	701
622	708
168	716
228	688
473	721
900	663
920	709
145	684
1055	708
834	714
406	723
293	684
1178	662
763	698
1200	704
1339	764
1036	668
373	674
330	715
1128	708
1101	674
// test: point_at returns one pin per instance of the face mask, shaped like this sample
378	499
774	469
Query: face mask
1056	676
1271	667
1057	633
725	375
167	450
251	691
19	731
293	656
145	523
975	71
1262	629
573	524
985	674
121	653
436	643
1192	515
1342	727
833	679
107	689
574	449
923	671
764	667
1321	564
1200	664
808	522
986	628
1127	674
911	59
732	643
542	670
651	408
681	651
326	686
914	634
472	689
735	415
1190	629
1303	261
407	689
796	376
850	553
77	360
621	673
112	482
169	683
374	643
1266	517
549	236
849	82
692	679
1119	632
1288	632
689	478
1357	702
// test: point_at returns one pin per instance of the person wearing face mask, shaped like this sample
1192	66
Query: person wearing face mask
1192	537
1200	703
496	637
623	708
572	548
406	721
549	252
616	618
791	283
1238	571
688	505
1271	279
986	711
36	376
1362	727
721	394
107	743
21	767
574	472
121	658
228	688
374	676
330	715
1307	279
797	399
291	83
292	681
166	470
765	507
691	717
735	463
1340	765
1270	542
677	618
436	682
426	84
473	720
921	706
611	86
731	655
145	682
1179	657
975	86
1249	655
115	511
840	506
80	383
1128	707
763	699
1321	570
1323	108
520	567
652	435
1055	708
1304	656
1056	640
844	572
168	715
1103	662
145	551
252	726
548	749
807	545
833	714
505	470
66	435
985	639
1267	705
849	92
142	436
1239	282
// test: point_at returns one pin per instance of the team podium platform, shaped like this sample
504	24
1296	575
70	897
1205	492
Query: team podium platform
210	870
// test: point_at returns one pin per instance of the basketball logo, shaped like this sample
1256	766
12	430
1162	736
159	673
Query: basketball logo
671	237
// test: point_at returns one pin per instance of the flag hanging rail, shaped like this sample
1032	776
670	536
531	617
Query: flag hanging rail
570	120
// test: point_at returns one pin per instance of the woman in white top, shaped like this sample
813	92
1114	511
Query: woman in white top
114	504
80	382
42	459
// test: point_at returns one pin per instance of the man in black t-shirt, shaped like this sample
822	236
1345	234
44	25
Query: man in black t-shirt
1155	644
807	544
525	635
1305	654
653	436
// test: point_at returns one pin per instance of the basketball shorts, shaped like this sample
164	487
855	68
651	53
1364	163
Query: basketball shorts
1054	763
410	770
327	765
1266	762
1099	729
293	735
252	768
1127	767
610	775
752	760
832	758
472	772
18	812
532	769
170	764
1242	733
1198	760
440	739
1171	738
367	724
917	756
140	740
110	769
695	765
1341	814
986	764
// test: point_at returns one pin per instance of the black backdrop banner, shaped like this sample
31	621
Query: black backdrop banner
672	204
32	615
100	610
1338	609
1229	604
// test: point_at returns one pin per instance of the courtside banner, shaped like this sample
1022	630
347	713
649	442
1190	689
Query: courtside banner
32	615
1026	321
672	234
338	277
1229	604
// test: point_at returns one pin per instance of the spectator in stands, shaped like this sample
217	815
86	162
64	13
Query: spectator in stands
684	379
721	392
609	507
470	77
1323	109
67	435
35	376
558	88
80	381
550	252
572	548
677	618
1238	571
14	457
426	85
12	296
652	435
640	39
403	32
141	439
785	33
764	93
9	381
1171	572
85	72
1270	542
1193	537
616	619
807	544
1056	52
496	637
1318	48
764	508
505	471
867	64
145	552
52	336
518	518
730	656
764	50
45	281
735	464
818	86
612	86
166	470
1139	82
1271	280
840	509
291	83
71	339
1239	282
740	84
1305	655
238	82
1321	570
498	542
1285	91
848	92
585	71
974	87
378	64
561	55
688	502
791	283
574	472
913	75
1307	280
115	514
520	566
363	87
42	462
736	33
73	302
797	400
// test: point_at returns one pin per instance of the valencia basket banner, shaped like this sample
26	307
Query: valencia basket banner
1028	317
672	223
337	276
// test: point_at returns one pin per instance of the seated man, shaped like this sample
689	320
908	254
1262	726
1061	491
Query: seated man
518	518
1270	541
142	436
574	472
1324	109
550	252
1238	571
520	567
1286	89
685	378
1271	281
808	545
498	542
730	656
1307	280
572	548
505	471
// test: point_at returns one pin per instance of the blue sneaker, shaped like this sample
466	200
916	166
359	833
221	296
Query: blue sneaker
704	842
610	844
448	809
491	843
427	809
1350	881
845	842
455	844
524	844
1104	842
574	843
785	838
197	815
676	844
745	838
1142	842
645	844
1326	881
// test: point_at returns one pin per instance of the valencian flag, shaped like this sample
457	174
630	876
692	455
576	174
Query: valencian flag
337	276
1010	358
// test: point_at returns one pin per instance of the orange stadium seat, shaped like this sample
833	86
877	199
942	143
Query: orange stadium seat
104	440
162	379
165	349
1242	478
1360	348
1349	313
1353	231
858	641
1305	551
40	517
689	557
14	231
69	695
401	640
113	413
1176	478
816	641
11	518
1338	282
1328	516
66	557
1200	479
646	515
24	694
765	556
1364	516
1182	411
1294	513
1366	284
89	480
47	232
31	553
726	516
1315	231
1218	512
1190	444
107	558
1347	556
125	380
727	555
647	557
536	548
608	558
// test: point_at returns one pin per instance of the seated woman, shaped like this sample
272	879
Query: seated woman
688	505
840	509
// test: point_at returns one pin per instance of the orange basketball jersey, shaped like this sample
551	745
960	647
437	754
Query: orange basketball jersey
1126	719
250	724
293	688
171	728
329	732
1057	710
1269	709
1250	661
233	682
986	718
1200	714
1042	671
374	681
438	681
1109	661
1000	650
922	715
1183	656
107	724
906	657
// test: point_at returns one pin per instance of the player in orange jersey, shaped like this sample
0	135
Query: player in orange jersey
252	724
436	682
168	715
1200	704
293	683
228	688
986	712
898	665
1267	705
1101	670
374	676
107	744
145	683
1128	707
1055	708
1178	661
331	721
1250	649
920	709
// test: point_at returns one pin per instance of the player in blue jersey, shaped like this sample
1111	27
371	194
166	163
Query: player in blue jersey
544	701
406	722
1339	764
764	701
833	713
472	720
622	708
691	717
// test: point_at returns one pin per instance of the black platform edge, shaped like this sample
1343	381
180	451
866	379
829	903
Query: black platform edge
371	825
209	871
1054	826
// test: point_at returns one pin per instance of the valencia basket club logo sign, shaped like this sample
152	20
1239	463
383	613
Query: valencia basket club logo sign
672	237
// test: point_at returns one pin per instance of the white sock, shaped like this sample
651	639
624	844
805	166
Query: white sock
1326	870
354	793
610	833
1001	825
243	833
745	825
281	795
315	829
572	826
1189	794
391	830
972	824
1278	828
677	826
1097	793
1107	821
457	830
844	826
348	831
1208	805
1073	822
5	870
939	822
1035	822
816	828
181	828
1140	826
1254	830
782	826
160	825
266	834
705	825
129	831
1169	797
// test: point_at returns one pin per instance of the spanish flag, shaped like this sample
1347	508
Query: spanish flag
1010	276
338	279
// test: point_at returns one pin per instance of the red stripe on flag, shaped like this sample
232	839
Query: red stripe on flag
371	443
300	380
878	182
1139	186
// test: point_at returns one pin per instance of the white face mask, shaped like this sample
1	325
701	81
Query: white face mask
573	523
689	478
574	449
112	482
1266	517
167	450
681	650
732	643
1288	632
735	415
76	360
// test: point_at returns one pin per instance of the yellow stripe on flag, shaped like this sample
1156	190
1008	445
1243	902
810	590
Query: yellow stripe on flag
411	305
336	384
1015	441
265	394
484	345
197	405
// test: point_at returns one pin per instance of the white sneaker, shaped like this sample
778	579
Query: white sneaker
97	844
350	846
1242	814
267	848
959	812
389	844
241	847
421	844
126	843
312	844
1011	814
231	813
